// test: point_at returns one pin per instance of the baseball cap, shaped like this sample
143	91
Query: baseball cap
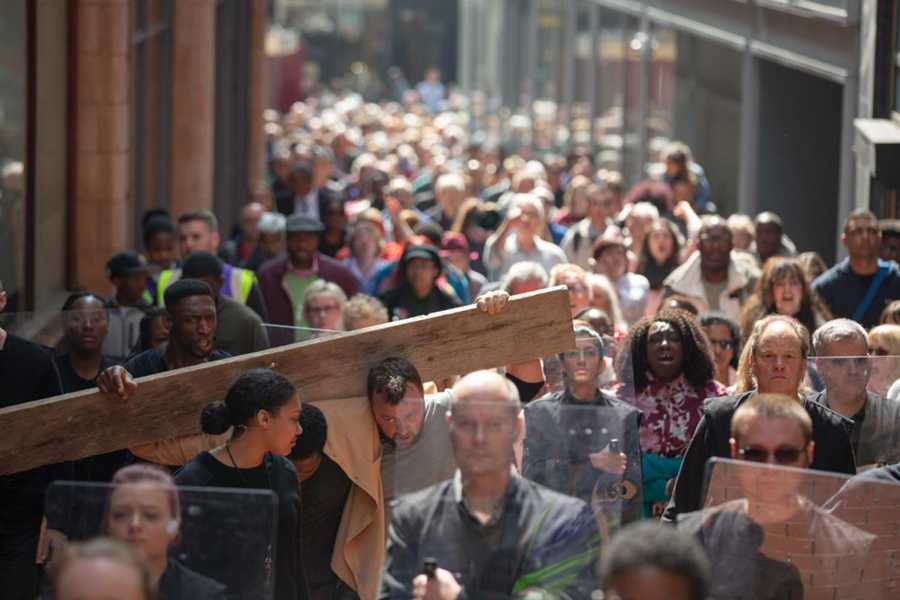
125	263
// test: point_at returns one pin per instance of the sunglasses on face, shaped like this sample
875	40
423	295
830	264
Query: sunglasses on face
785	455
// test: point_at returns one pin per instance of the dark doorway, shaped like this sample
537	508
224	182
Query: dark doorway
424	35
799	154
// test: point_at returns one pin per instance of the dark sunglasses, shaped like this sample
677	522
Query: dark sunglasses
786	455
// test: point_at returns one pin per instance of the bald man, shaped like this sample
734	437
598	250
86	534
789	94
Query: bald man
489	532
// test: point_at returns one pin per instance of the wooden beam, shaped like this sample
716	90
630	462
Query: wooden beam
168	404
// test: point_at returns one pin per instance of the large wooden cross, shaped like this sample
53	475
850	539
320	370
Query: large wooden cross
453	342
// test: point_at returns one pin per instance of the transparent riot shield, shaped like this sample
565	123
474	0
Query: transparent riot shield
485	523
590	451
772	531
206	542
860	388
670	411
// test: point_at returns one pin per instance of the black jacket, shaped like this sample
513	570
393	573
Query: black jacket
278	475
561	435
831	433
180	583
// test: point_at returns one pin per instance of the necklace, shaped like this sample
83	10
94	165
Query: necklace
268	560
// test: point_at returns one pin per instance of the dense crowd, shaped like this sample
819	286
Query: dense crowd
699	335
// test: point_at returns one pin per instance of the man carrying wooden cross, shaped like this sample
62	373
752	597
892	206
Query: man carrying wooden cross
412	438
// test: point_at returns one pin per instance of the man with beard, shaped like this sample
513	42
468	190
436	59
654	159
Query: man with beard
712	278
841	347
860	286
191	320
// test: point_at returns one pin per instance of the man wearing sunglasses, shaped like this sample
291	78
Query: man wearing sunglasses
773	429
760	529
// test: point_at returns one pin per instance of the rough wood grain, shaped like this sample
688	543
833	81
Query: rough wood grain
167	405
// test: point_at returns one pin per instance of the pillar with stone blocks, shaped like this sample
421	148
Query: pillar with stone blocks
193	79
102	146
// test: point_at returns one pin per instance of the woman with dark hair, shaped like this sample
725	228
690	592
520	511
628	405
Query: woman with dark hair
666	370
144	513
332	215
419	292
725	340
476	220
660	254
153	331
783	289
262	408
85	325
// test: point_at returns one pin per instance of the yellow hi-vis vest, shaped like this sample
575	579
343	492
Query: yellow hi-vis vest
238	286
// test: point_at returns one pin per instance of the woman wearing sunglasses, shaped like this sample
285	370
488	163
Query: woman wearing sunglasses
884	348
725	342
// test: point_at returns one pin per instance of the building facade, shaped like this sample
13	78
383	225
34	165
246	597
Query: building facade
773	96
109	108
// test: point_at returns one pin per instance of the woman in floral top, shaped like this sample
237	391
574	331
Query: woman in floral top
666	370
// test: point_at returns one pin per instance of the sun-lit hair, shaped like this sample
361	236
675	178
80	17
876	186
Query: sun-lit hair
770	406
320	287
363	308
813	311
887	336
745	379
598	283
107	550
522	272
558	271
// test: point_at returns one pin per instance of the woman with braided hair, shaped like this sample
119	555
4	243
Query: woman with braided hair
666	370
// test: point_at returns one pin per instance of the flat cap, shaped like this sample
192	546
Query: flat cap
304	224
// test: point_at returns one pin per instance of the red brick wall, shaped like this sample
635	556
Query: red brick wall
830	573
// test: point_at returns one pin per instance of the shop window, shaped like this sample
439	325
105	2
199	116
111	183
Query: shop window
13	142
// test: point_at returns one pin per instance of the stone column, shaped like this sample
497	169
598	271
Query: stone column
193	78
101	139
257	94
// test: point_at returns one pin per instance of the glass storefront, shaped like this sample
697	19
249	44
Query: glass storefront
13	62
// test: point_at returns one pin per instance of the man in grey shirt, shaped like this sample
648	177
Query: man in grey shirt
415	441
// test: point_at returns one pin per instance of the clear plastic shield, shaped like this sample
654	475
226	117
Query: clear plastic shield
590	452
22	324
860	388
670	412
773	531
498	533
208	543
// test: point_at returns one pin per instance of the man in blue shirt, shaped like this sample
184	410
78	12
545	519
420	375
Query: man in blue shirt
846	286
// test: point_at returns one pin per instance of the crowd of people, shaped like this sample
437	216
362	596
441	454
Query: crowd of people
698	335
